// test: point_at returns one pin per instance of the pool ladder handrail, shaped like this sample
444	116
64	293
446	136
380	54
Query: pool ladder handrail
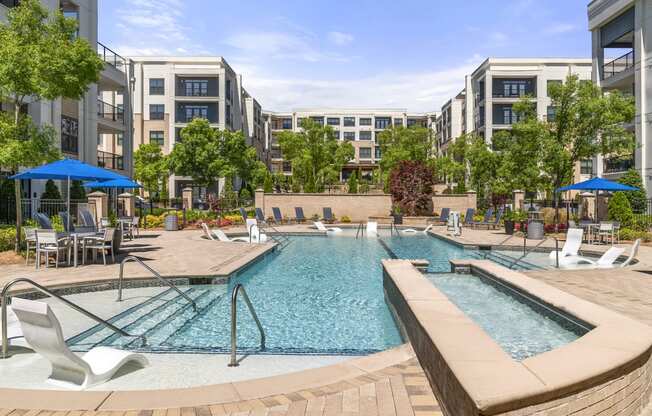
156	275
393	228
526	251
42	289
279	237
361	229
234	322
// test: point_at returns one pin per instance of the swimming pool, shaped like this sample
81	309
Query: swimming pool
318	295
521	326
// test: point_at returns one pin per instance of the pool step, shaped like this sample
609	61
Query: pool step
505	260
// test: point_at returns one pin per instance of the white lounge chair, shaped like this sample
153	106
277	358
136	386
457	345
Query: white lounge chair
606	260
43	333
321	227
569	253
14	329
372	229
633	253
255	236
220	235
413	231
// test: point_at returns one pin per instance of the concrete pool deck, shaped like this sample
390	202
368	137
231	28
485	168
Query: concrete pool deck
398	388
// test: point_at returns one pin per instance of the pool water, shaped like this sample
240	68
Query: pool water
520	326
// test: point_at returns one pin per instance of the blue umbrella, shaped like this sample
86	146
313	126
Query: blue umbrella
597	184
68	169
113	183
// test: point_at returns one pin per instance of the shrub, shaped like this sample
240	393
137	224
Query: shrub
550	228
7	238
353	183
345	219
51	191
245	194
77	191
268	184
549	215
620	210
410	184
631	235
637	199
234	219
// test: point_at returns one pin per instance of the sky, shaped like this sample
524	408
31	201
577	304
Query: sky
358	53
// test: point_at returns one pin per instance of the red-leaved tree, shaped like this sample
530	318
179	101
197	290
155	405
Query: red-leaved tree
410	184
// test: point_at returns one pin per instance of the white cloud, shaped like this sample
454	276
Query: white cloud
340	38
560	28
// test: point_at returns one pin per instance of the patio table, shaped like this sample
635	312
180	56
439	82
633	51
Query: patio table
76	238
589	229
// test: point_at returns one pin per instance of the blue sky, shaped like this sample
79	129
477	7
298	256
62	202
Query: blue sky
356	53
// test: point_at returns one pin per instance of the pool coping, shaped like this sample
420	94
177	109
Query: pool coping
462	362
62	400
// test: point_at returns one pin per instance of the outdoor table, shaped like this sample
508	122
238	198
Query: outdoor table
76	238
589	228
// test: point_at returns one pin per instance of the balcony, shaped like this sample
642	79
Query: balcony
111	58
110	160
617	165
276	154
618	65
110	112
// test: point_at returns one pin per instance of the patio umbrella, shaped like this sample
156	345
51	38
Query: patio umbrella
69	169
597	184
113	183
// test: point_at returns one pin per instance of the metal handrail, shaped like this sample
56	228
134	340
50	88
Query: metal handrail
234	321
285	239
42	289
360	230
526	252
155	274
393	228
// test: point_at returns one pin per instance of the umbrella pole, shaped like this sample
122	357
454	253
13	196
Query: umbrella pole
68	200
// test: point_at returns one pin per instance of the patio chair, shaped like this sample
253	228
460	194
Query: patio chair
298	214
443	216
103	243
87	219
468	216
632	253
105	223
569	252
260	215
243	213
278	217
43	332
328	215
68	226
606	232
372	229
220	235
49	241
606	261
14	329
43	221
30	241
255	235
135	226
493	224
487	216
321	227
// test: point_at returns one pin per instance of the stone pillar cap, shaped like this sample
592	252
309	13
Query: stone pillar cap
97	193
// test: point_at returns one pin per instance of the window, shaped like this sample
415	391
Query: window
318	120
552	82
349	121
552	113
195	87
156	111
349	135
120	139
299	121
586	167
70	135
365	135
192	112
287	166
336	133
156	86
365	152
383	122
156	137
228	115
398	121
377	152
366	121
287	124
333	121
228	89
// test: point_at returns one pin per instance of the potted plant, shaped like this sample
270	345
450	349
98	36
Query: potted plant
509	222
397	214
117	235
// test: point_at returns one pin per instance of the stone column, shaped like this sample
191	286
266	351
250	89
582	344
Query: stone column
259	199
187	198
472	199
100	201
129	204
588	206
518	197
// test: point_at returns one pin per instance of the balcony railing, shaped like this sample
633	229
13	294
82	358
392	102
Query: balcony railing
618	165
110	160
111	58
276	154
110	112
618	65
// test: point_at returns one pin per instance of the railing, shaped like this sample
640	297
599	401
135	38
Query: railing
234	322
29	207
110	160
156	275
5	299
618	165
278	237
361	229
111	58
110	112
526	251
618	65
518	94
393	229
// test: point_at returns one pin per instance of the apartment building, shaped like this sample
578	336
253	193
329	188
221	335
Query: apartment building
450	123
172	91
97	128
621	33
360	127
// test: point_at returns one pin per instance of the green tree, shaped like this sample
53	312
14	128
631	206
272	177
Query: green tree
77	191
51	190
637	199
268	184
400	143
317	156
352	183
620	210
40	58
151	168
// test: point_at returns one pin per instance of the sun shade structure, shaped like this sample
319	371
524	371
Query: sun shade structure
113	183
597	184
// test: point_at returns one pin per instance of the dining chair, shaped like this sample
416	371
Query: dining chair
49	241
606	232
30	241
103	243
